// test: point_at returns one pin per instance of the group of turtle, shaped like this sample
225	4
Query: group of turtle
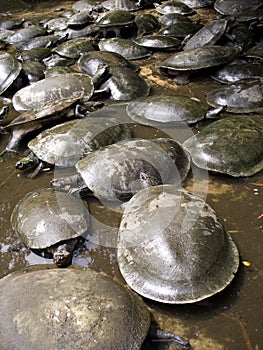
171	245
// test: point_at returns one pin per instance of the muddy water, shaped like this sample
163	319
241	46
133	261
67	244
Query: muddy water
230	320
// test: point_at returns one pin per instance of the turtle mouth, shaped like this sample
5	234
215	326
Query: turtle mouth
62	259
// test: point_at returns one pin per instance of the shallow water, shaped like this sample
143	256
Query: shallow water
230	320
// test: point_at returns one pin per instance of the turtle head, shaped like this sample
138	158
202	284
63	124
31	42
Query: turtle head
62	256
30	161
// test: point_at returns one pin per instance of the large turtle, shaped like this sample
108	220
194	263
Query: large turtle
233	146
50	222
71	309
172	247
122	169
64	144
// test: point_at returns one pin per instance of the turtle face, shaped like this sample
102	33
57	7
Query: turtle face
62	256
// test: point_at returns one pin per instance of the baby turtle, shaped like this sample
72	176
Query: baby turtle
71	309
64	144
233	146
166	110
198	58
173	248
50	223
128	166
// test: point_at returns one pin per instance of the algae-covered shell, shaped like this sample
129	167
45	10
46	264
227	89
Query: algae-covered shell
65	144
45	217
166	110
130	165
53	89
173	248
69	309
232	146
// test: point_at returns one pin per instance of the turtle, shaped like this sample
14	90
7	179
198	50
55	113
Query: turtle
71	309
64	144
44	102
116	23
232	146
75	48
128	166
158	42
166	110
184	62
125	47
207	35
237	71
243	96
50	223
174	7
172	247
125	85
10	69
236	7
55	88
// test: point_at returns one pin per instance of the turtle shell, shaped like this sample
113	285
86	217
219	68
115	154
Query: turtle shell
232	146
115	18
166	110
174	7
45	217
245	96
51	90
200	57
172	247
207	35
65	144
130	165
10	68
125	47
69	309
75	48
234	7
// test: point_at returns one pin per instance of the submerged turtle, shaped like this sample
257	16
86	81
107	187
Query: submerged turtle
64	144
71	309
232	146
50	223
172	247
128	166
182	63
166	110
